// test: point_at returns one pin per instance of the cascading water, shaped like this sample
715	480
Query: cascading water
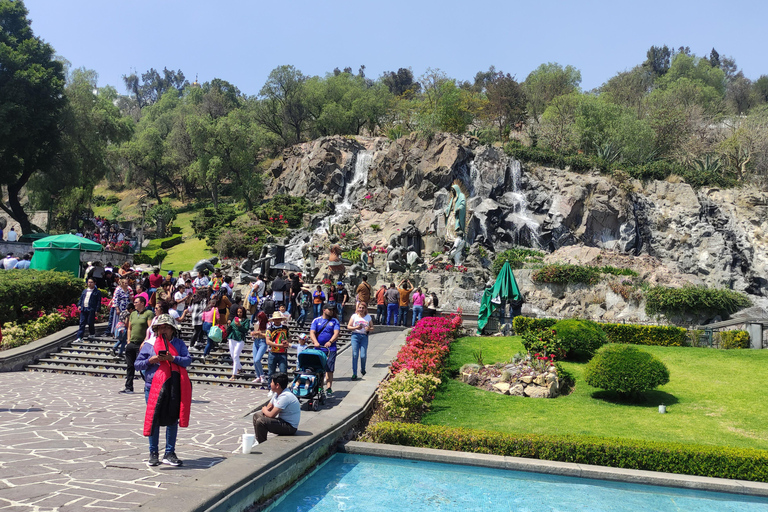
359	180
522	216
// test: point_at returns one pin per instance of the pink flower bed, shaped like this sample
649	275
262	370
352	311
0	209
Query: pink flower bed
427	345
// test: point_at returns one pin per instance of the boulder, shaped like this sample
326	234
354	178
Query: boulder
502	387
526	379
540	380
517	390
537	392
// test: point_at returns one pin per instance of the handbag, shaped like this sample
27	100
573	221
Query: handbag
214	333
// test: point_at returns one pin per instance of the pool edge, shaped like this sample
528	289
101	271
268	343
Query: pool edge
634	476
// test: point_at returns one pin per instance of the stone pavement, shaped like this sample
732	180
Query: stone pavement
72	442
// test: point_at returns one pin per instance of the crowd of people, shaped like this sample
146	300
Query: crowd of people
146	308
110	236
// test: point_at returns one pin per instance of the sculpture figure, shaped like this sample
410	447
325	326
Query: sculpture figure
246	270
395	260
413	259
335	263
206	265
457	251
455	212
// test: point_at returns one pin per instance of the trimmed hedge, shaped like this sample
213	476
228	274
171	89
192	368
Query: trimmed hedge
661	335
694	299
686	459
174	240
36	289
626	370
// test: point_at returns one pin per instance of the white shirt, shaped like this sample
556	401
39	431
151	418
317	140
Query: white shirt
180	296
260	287
9	263
361	322
12	236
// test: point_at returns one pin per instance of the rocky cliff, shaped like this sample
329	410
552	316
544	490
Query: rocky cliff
671	232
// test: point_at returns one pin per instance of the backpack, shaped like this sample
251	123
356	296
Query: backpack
269	306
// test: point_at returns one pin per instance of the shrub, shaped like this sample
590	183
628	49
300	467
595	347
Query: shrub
694	300
625	370
518	257
734	339
618	271
15	335
233	244
580	337
544	343
560	273
173	241
521	324
426	347
687	459
407	395
37	290
660	335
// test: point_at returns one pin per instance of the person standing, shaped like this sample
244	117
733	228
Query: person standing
318	298
361	325
281	416
381	305
120	300
342	297
168	397
278	341
363	291
89	304
279	286
259	346
393	300
405	292
418	305
238	330
195	314
155	280
324	332
138	323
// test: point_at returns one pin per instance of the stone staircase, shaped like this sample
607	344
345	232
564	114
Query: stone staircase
93	356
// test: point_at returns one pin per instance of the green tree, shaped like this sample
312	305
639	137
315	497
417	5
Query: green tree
152	85
282	108
401	83
628	88
761	88
90	125
546	83
31	102
506	102
658	60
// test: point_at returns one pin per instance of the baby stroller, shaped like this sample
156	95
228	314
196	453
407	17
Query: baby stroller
307	385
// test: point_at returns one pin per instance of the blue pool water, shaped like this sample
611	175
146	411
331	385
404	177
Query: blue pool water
373	484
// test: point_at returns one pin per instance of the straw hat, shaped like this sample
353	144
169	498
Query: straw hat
277	316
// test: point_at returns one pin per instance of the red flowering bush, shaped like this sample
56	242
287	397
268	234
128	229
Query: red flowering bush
427	345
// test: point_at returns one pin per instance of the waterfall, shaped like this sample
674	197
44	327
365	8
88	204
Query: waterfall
522	216
359	181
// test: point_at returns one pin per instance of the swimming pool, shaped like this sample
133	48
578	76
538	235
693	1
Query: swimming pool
372	484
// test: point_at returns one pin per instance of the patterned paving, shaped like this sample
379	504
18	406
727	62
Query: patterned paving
72	442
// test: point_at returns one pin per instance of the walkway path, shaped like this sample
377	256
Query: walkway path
71	442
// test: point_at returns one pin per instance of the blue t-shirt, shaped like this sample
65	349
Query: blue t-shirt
328	327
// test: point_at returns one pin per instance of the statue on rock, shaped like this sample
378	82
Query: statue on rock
395	260
335	263
310	254
455	212
413	259
246	270
209	265
457	251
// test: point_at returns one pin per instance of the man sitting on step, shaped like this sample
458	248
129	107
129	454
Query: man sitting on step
281	416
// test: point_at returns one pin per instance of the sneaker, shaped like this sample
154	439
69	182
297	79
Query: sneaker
154	459
171	459
126	391
354	377
79	340
329	391
363	372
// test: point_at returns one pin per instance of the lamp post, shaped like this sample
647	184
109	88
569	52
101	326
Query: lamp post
143	207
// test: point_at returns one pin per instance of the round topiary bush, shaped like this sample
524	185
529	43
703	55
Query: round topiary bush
626	370
580	338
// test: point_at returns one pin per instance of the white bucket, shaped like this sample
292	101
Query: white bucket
248	441
662	409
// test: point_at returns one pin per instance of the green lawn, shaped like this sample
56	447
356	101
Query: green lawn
184	256
713	397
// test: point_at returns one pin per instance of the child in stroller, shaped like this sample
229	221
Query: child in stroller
308	385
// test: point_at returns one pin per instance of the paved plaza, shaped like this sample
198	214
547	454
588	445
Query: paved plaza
71	442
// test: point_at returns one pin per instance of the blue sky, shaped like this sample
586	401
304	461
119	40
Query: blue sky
242	41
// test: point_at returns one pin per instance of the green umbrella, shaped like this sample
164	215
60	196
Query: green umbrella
505	288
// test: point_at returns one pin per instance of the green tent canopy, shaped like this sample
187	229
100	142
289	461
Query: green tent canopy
61	252
505	288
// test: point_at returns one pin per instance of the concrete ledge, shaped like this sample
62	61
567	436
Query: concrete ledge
634	476
15	359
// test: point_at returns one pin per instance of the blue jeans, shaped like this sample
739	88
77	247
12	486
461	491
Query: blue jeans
209	344
381	313
417	312
276	361
259	348
318	310
121	340
154	437
359	347
89	318
403	316
391	314
340	311
302	316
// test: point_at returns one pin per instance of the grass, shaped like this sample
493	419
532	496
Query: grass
184	256
714	397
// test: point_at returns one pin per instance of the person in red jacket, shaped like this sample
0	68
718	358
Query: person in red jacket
167	389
